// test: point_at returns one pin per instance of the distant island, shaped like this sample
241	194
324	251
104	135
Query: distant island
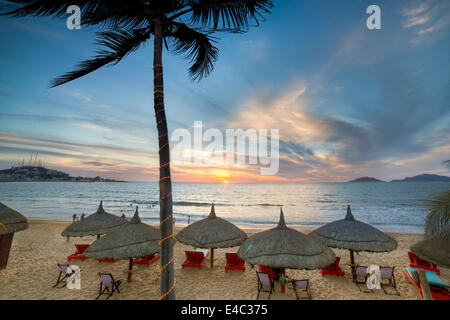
425	178
420	178
38	173
366	179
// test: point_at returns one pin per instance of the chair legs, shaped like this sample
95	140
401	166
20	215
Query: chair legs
392	284
114	288
61	280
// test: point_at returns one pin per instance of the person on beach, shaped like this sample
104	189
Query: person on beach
74	218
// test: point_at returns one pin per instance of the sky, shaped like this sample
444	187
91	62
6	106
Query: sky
348	101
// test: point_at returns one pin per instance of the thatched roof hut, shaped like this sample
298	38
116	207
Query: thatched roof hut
131	240
11	221
210	233
97	223
283	247
355	235
435	249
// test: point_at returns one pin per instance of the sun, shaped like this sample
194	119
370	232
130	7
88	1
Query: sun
225	181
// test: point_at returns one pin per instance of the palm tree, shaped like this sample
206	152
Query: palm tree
438	213
183	25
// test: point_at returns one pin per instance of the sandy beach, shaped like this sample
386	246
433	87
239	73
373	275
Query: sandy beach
32	271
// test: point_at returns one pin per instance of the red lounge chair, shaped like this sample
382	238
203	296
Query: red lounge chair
107	260
147	260
267	270
416	262
79	253
234	262
437	292
333	268
194	259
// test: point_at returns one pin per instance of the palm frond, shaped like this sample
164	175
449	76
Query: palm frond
113	14
197	46
231	15
120	43
438	213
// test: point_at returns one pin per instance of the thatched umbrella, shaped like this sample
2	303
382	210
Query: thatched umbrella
211	233
354	235
10	221
96	224
283	247
436	248
131	240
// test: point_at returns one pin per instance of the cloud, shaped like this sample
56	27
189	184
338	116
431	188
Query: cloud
426	18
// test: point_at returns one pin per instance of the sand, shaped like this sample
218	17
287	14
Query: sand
32	271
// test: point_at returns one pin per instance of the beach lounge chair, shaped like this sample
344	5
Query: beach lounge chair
360	274
301	285
333	268
439	290
194	259
416	262
108	285
147	260
264	281
387	274
64	274
79	253
273	273
234	262
107	260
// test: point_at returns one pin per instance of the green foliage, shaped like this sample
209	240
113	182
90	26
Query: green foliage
438	213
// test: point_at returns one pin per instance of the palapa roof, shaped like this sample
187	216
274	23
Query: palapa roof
11	221
211	232
435	249
97	223
131	240
283	247
354	235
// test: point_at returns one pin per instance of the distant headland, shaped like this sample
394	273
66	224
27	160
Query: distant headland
366	179
420	178
39	173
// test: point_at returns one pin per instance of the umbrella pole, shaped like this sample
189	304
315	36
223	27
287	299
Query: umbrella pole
352	261
212	257
130	268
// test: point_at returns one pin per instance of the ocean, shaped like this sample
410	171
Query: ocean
390	206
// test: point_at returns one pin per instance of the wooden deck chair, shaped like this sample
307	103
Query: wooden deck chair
360	274
387	274
63	275
416	262
264	281
78	254
234	262
333	268
301	285
108	285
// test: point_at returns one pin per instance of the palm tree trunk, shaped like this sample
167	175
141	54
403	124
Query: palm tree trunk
165	186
